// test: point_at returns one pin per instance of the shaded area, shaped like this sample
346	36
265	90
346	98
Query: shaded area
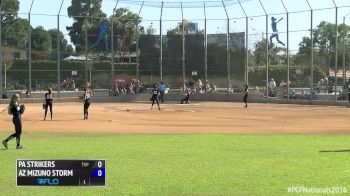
330	151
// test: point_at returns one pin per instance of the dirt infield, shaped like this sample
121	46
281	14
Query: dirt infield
204	117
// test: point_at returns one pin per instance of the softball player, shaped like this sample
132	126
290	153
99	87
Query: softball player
245	95
155	95
48	102
87	97
187	96
16	110
275	31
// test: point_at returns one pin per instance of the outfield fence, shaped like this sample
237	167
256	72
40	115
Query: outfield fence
223	46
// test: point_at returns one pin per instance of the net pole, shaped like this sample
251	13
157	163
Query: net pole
112	49
343	62
183	49
59	52
205	45
1	58
267	52
312	48
137	45
336	52
86	50
288	66
228	68
58	56
344	36
113	19
246	72
29	55
161	43
30	49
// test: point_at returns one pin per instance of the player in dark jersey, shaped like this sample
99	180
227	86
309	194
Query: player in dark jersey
245	95
48	102
155	95
187	96
87	100
16	110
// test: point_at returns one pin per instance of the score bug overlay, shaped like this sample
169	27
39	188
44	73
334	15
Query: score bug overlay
61	172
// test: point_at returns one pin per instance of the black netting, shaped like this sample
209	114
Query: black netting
194	56
149	46
172	59
237	55
194	4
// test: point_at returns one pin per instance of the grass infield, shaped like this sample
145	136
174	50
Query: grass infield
196	164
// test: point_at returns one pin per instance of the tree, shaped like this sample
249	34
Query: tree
64	46
10	9
126	24
324	45
41	39
259	54
14	29
150	30
81	10
187	28
15	32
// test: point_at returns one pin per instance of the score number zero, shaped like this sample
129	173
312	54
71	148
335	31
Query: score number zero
99	172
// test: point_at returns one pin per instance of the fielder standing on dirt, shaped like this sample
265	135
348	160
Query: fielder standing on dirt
245	95
16	110
155	95
48	102
87	101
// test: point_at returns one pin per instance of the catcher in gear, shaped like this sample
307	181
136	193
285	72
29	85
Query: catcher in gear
16	110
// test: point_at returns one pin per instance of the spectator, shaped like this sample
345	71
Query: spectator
272	88
130	88
72	83
141	87
200	86
257	91
213	88
320	85
230	87
272	84
27	94
325	85
292	95
186	93
207	86
282	84
288	83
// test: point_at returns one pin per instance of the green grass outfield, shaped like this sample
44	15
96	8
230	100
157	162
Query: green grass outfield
199	164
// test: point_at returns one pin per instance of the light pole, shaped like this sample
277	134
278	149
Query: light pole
344	36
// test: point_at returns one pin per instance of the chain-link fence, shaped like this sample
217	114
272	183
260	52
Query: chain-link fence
209	46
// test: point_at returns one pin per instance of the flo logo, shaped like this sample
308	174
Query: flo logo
48	181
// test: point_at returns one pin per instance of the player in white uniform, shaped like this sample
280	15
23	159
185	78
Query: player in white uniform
87	100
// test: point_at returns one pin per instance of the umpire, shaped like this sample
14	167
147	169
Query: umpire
16	110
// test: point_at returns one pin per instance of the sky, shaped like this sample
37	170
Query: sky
44	13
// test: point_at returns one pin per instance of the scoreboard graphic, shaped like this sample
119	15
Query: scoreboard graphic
61	173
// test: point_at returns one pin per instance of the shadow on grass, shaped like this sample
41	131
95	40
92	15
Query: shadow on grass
325	151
